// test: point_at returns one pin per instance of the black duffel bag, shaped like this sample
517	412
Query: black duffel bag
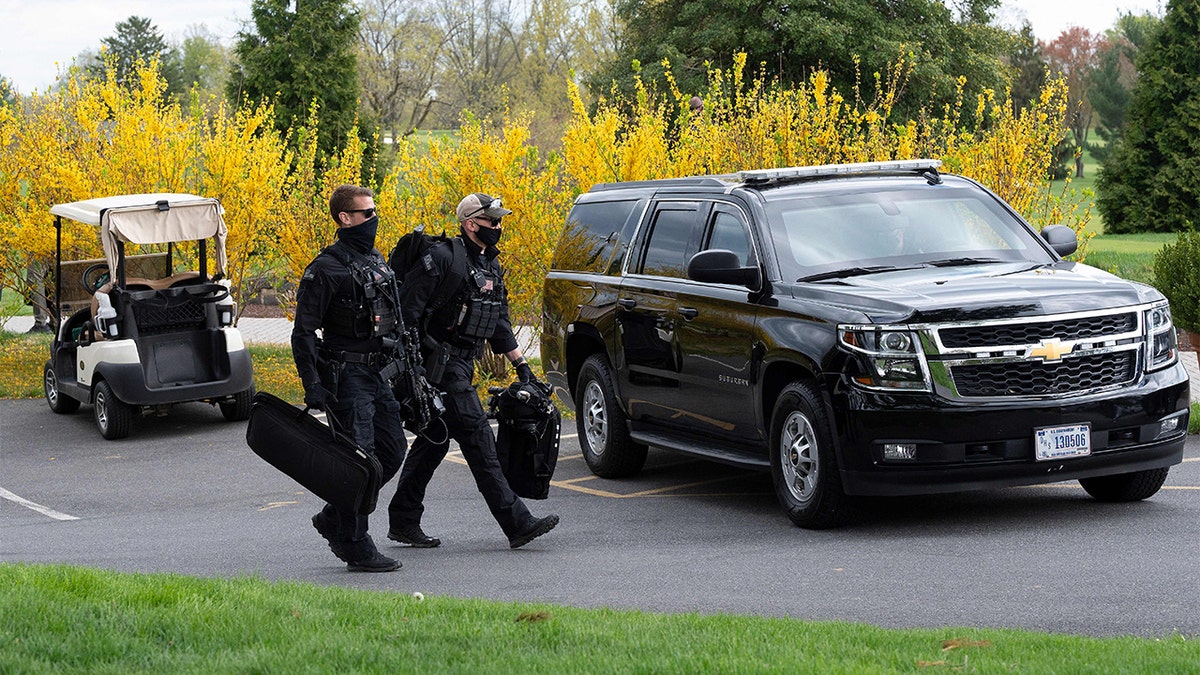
325	461
527	440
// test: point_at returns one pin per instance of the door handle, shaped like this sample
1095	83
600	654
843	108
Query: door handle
627	303
689	313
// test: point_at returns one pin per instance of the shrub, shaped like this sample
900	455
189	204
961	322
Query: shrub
1177	275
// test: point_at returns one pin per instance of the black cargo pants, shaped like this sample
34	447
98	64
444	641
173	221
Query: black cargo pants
468	425
366	410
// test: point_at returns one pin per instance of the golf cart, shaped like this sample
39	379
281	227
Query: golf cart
133	335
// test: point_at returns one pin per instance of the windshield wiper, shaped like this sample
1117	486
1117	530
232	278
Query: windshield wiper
954	262
852	272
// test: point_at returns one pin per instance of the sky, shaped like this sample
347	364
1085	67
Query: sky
38	38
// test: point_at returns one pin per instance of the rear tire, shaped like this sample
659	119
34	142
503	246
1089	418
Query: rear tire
804	466
603	427
1125	487
59	402
239	408
113	416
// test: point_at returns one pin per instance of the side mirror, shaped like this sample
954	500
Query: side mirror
1061	238
718	266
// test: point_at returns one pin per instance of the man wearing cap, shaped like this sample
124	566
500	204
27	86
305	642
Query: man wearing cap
453	336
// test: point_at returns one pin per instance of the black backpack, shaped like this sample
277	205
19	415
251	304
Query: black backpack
413	248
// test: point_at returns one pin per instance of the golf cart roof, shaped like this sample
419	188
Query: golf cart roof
156	218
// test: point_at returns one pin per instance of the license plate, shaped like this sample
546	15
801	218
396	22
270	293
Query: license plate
1074	440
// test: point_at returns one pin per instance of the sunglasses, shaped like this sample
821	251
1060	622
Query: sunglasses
367	213
492	222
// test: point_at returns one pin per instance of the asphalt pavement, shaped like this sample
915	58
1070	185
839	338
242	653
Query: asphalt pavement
185	494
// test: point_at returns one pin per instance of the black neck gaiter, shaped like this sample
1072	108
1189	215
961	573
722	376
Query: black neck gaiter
361	237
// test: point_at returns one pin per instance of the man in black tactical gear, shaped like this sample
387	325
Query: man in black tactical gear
349	293
453	336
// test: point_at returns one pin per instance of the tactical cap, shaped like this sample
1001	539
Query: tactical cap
479	204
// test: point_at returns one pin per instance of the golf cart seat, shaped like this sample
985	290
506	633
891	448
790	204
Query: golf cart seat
142	284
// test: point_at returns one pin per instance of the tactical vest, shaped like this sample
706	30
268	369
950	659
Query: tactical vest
474	311
374	309
485	300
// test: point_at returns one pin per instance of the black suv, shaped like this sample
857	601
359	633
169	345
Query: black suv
858	329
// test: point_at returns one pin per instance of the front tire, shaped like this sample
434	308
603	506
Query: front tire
804	466
1125	487
113	416
239	408
603	427
58	401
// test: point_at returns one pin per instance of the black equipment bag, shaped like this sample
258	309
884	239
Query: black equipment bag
325	461
527	441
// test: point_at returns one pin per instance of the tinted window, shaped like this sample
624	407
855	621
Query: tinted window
672	230
592	236
730	234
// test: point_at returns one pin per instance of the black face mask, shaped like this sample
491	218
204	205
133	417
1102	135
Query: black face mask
361	237
490	236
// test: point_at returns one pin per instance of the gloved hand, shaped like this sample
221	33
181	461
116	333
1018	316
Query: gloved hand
317	397
525	373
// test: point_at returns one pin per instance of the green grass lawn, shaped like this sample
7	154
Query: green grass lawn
59	619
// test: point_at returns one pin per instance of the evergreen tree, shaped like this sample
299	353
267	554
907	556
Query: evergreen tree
1113	81
136	38
295	57
1151	183
1029	68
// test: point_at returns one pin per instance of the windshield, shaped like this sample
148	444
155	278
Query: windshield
832	235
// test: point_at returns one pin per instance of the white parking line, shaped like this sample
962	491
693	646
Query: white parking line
44	510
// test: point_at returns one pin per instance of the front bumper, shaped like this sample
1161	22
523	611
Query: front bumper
972	446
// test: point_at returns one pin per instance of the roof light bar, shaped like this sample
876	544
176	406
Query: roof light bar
763	175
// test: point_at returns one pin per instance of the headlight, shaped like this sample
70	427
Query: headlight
1161	347
889	357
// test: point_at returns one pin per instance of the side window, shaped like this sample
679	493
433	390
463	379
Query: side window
593	234
729	233
669	239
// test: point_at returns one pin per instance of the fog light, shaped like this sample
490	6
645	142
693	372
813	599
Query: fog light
1168	425
899	450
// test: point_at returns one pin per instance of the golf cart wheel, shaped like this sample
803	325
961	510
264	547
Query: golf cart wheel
239	408
59	402
113	416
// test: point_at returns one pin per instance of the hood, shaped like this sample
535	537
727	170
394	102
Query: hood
977	292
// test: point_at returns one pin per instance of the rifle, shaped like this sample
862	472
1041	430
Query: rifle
420	402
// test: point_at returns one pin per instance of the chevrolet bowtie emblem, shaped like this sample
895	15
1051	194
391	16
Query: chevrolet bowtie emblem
1051	350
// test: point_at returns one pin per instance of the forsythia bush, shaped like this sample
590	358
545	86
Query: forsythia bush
98	137
756	124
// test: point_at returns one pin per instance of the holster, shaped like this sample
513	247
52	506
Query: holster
436	358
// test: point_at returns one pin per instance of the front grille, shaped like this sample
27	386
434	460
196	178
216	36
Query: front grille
1037	378
991	336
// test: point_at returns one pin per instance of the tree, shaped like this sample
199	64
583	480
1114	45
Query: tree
1115	75
300	57
481	55
1073	56
1029	68
8	93
204	61
1151	183
136	38
849	39
400	46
